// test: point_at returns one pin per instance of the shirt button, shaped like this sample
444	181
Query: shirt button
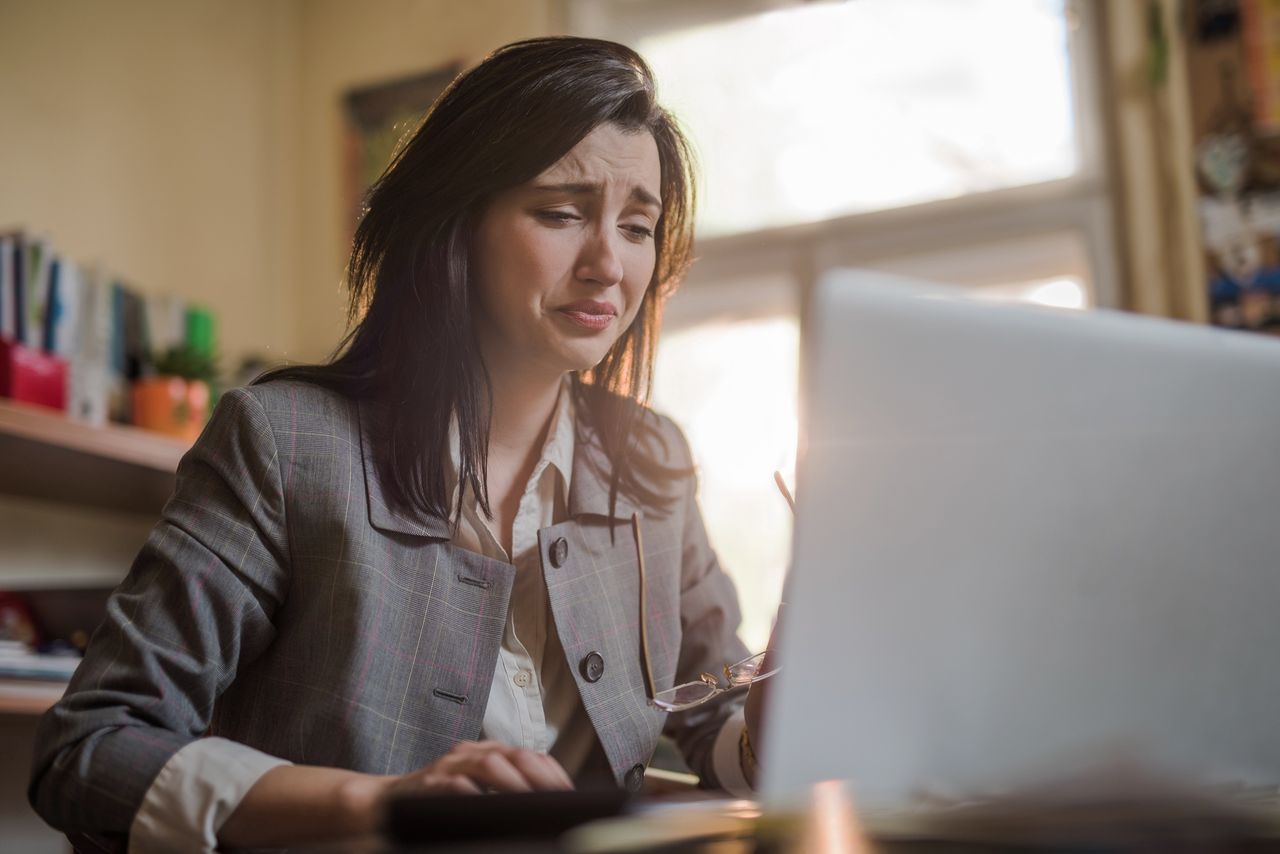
522	678
592	667
635	778
559	552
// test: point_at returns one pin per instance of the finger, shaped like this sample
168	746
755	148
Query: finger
459	784
464	754
478	746
559	770
494	770
540	770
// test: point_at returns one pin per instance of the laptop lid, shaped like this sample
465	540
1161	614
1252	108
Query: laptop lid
1027	540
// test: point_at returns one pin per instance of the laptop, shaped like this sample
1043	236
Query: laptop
1029	542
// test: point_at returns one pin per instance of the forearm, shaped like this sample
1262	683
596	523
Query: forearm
299	804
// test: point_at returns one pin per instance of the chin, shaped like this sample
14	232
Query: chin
583	355
586	364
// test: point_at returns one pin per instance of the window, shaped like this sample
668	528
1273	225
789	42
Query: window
952	141
868	105
732	387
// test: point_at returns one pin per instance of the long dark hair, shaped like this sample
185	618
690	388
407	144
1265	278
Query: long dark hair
410	349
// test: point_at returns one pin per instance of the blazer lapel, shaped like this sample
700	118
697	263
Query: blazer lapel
382	513
466	600
594	593
593	585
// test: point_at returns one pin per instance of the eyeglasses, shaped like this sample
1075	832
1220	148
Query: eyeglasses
707	686
692	694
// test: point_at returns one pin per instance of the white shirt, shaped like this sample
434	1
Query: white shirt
533	701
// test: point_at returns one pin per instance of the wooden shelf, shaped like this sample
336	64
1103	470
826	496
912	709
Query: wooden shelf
28	696
44	454
114	442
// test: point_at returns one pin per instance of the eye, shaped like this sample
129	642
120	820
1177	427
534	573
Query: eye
638	232
559	217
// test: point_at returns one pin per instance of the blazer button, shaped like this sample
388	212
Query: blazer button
559	552
635	778
592	667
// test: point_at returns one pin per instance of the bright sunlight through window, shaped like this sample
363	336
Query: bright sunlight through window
732	388
867	105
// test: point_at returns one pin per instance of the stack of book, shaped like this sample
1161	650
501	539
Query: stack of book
19	661
74	337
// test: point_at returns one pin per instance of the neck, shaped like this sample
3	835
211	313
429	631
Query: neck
521	414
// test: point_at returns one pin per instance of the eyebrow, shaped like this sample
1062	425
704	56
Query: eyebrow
638	193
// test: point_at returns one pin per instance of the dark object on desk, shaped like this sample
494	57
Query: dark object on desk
449	819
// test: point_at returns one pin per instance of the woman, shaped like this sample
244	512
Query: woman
423	566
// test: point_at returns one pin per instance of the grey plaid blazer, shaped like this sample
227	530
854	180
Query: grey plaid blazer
281	602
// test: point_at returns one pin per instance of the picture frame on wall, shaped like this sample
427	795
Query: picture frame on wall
377	119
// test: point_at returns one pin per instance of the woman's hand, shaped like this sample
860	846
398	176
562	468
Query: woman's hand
475	767
299	804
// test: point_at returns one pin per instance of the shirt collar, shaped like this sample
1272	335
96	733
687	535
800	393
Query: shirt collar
557	450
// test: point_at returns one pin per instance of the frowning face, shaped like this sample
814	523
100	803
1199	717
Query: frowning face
561	263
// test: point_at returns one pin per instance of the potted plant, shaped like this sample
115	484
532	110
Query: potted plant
175	400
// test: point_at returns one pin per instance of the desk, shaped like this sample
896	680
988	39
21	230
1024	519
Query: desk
830	827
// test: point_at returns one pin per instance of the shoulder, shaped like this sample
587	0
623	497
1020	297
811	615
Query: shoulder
296	404
663	441
658	439
276	415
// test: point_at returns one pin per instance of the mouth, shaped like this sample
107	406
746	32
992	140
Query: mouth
590	314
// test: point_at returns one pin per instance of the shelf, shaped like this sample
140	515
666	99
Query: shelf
44	454
28	696
112	442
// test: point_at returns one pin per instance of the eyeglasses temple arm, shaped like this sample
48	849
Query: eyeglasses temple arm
649	684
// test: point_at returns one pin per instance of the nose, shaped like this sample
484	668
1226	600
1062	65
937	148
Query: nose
599	260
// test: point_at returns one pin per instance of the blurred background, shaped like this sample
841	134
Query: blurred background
180	179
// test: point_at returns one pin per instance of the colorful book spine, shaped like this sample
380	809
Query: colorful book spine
6	286
52	306
89	390
19	288
39	256
102	333
62	316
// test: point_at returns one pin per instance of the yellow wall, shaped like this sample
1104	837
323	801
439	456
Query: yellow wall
193	147
347	45
155	138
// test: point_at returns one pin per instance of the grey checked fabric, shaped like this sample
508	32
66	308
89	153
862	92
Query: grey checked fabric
283	604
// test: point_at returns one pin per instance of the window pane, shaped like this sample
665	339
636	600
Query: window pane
863	106
732	388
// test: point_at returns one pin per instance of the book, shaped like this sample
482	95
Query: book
53	305
89	382
6	286
19	287
117	371
62	314
19	661
39	256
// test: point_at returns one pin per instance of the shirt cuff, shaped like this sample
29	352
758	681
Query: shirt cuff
726	760
194	794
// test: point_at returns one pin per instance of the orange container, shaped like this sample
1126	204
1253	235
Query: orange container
171	405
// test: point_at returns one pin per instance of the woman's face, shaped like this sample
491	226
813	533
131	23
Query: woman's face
561	263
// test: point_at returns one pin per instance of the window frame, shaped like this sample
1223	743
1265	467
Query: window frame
1079	205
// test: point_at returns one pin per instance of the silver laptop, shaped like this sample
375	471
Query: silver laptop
1028	541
